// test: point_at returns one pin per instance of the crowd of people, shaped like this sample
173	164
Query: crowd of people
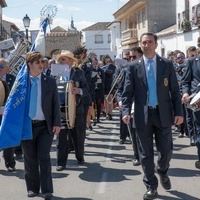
152	94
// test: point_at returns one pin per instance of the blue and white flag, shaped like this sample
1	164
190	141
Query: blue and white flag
39	44
16	123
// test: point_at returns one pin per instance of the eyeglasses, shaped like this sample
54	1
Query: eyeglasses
181	57
133	57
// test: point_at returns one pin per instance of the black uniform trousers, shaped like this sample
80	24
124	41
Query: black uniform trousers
37	160
8	154
163	141
123	128
77	135
197	123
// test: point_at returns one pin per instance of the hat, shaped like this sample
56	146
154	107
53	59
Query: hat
170	53
67	54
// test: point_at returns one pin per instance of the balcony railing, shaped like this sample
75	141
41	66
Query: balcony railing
129	36
3	33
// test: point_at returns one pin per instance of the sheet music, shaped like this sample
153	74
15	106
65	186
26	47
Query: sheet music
94	74
60	70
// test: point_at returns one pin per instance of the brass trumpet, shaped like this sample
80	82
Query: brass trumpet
115	82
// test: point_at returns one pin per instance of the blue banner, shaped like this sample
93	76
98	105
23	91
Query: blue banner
16	124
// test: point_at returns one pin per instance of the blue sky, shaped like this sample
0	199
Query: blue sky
84	12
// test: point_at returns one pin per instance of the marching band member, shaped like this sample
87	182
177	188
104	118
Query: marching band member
152	82
9	80
124	132
77	133
44	111
84	62
99	76
109	70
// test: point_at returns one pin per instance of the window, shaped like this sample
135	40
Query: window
98	39
143	17
179	21
109	38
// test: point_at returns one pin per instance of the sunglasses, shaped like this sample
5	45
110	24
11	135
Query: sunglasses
181	57
2	66
134	57
39	62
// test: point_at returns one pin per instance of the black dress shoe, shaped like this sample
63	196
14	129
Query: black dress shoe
18	156
121	141
136	162
197	164
165	181
81	162
32	194
11	169
98	121
48	196
60	168
90	128
192	141
150	194
181	135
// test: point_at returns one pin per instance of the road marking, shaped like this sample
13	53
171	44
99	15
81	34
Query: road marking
102	185
104	177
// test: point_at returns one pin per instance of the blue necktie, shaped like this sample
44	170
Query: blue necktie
33	97
153	101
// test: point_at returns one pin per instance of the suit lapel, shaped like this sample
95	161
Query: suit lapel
71	74
160	71
43	86
142	71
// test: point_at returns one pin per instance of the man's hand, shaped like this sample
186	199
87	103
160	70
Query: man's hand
126	119
75	90
185	98
56	130
178	120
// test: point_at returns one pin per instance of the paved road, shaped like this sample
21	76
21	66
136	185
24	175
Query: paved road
108	173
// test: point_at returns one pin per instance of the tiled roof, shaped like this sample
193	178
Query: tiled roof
58	29
97	26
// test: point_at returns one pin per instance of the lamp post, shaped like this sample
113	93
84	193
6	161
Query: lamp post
155	27
26	22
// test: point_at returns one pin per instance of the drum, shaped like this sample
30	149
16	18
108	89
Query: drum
4	91
195	102
70	105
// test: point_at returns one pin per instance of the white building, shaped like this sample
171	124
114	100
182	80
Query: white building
186	30
97	38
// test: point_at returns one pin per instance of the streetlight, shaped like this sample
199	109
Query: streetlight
155	27
26	21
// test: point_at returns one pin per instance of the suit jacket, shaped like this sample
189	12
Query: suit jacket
79	80
50	102
191	77
136	86
10	79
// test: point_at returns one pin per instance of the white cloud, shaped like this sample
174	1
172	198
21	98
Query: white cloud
66	8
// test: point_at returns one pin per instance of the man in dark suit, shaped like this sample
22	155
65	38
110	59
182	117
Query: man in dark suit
190	85
76	133
8	153
45	115
152	82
